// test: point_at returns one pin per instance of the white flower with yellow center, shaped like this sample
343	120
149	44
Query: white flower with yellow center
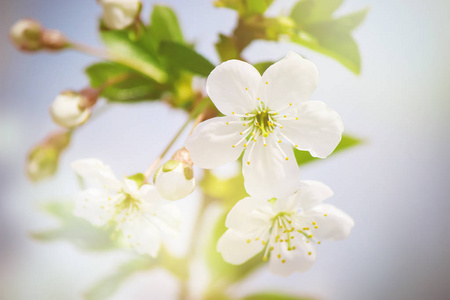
286	229
262	112
140	213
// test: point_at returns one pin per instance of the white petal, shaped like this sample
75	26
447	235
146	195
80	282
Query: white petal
211	143
142	235
249	215
96	206
289	261
95	173
317	130
235	249
290	80
130	187
312	193
269	174
164	215
232	87
336	225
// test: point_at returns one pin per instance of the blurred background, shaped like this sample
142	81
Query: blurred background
394	185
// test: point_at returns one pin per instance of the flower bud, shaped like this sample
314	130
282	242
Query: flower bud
71	109
26	34
175	179
42	161
119	14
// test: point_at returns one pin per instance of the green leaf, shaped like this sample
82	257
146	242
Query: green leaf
134	54
306	11
76	230
275	296
105	288
131	86
316	28
303	157
164	25
186	58
258	6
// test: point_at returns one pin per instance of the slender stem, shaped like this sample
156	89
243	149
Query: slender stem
199	108
101	53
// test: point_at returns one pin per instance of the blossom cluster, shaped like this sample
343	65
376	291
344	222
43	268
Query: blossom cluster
265	118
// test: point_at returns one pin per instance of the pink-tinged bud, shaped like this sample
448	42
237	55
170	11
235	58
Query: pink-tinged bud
26	35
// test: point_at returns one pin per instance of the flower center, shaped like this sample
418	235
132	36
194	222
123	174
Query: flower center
128	205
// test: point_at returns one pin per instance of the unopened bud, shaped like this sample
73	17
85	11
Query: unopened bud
26	35
71	109
120	14
175	179
42	161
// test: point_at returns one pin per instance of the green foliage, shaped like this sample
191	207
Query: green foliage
316	28
303	157
185	58
164	26
275	296
135	54
76	230
130	85
245	7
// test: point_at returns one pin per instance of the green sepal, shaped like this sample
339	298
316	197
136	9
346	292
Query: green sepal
188	173
170	165
139	178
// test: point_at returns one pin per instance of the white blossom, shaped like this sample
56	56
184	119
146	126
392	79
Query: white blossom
262	112
286	229
119	14
139	213
67	109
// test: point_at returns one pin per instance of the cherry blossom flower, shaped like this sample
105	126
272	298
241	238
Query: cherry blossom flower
140	213
262	112
287	229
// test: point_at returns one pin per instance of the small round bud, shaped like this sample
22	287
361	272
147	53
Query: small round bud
174	180
119	14
69	109
26	35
